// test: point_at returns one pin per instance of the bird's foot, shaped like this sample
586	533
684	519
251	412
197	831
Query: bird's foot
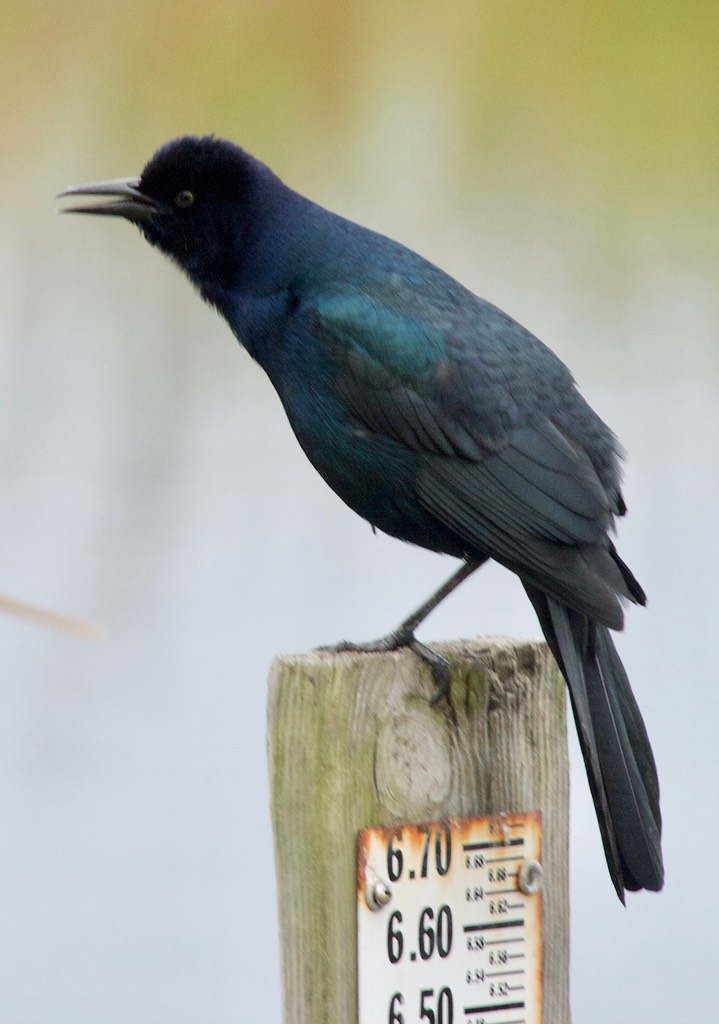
395	641
404	636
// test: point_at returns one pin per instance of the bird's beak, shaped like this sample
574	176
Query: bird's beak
124	200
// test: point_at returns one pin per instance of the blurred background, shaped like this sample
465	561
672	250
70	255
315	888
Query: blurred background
561	160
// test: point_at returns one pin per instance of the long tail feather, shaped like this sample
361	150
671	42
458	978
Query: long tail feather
614	743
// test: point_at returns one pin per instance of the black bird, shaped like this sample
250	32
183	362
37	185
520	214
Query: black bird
436	417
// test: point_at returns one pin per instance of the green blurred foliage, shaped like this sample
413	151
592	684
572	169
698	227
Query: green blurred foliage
599	97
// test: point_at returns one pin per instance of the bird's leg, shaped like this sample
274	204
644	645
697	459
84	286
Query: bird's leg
403	635
416	619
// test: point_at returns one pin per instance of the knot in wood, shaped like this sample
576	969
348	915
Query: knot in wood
413	772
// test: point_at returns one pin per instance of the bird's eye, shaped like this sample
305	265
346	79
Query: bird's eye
184	198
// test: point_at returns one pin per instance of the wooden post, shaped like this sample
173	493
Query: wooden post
354	741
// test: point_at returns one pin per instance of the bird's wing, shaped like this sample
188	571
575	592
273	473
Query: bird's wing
483	405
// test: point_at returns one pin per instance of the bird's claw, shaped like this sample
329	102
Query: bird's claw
395	641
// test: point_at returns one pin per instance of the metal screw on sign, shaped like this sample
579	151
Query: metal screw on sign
378	895
377	891
530	877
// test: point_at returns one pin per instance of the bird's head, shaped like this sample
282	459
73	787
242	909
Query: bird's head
194	200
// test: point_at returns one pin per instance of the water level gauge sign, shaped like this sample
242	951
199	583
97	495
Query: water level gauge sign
449	918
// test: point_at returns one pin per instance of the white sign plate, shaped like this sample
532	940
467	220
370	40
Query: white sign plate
446	934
